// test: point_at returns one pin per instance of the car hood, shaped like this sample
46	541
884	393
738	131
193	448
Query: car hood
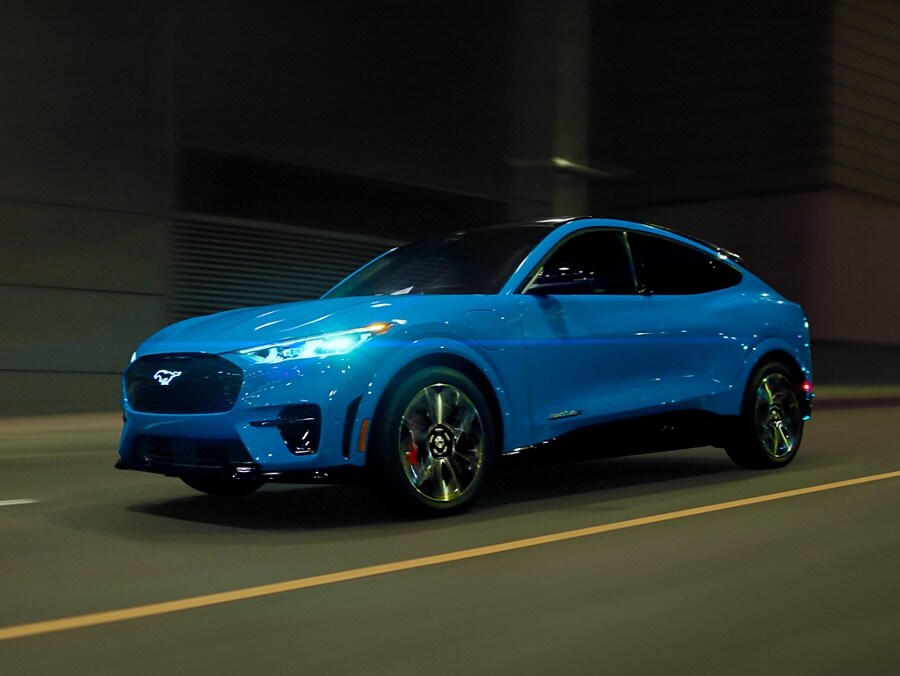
248	327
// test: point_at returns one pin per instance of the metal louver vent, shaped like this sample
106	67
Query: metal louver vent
220	266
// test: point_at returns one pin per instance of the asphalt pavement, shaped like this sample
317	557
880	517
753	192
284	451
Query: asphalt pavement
676	563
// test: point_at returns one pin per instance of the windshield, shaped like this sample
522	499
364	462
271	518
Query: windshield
471	261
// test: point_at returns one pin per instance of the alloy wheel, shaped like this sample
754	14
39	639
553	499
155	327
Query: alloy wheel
777	415
441	443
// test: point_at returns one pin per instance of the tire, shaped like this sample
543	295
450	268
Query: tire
770	427
222	486
433	444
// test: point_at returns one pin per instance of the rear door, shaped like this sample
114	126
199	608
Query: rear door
703	318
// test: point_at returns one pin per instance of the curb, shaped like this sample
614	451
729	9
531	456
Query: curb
70	423
855	396
854	402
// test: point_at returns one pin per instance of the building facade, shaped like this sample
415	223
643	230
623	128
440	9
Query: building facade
160	159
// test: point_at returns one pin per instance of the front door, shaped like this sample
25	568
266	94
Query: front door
591	340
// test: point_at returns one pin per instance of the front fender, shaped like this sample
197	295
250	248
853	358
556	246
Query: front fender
503	369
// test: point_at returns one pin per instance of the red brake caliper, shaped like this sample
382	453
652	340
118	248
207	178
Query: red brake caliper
412	455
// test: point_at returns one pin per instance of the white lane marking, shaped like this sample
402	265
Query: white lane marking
20	501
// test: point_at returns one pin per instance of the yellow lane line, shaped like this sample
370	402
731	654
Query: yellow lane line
153	609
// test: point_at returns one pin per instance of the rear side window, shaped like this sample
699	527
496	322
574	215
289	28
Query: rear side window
666	267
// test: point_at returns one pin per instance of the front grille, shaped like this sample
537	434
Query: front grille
183	383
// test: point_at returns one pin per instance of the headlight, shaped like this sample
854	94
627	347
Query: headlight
325	345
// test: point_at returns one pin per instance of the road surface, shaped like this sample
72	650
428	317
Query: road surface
677	563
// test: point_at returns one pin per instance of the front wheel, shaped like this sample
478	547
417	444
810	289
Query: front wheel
433	444
770	427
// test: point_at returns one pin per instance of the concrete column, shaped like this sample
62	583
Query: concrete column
572	101
550	108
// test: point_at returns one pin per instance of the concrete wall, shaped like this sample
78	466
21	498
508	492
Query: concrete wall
79	288
84	175
855	268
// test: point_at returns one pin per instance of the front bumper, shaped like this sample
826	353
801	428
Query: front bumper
289	422
220	459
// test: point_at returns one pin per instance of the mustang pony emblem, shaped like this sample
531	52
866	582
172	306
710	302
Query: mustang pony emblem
165	377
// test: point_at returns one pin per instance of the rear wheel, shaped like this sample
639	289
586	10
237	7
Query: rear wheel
770	428
222	486
433	444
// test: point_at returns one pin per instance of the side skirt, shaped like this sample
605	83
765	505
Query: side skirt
647	434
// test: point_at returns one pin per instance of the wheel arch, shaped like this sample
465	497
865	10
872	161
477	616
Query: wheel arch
792	363
753	441
784	357
458	363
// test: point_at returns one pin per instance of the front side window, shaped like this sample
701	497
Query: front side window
667	267
592	263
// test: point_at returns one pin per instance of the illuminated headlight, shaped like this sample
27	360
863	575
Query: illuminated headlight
325	345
